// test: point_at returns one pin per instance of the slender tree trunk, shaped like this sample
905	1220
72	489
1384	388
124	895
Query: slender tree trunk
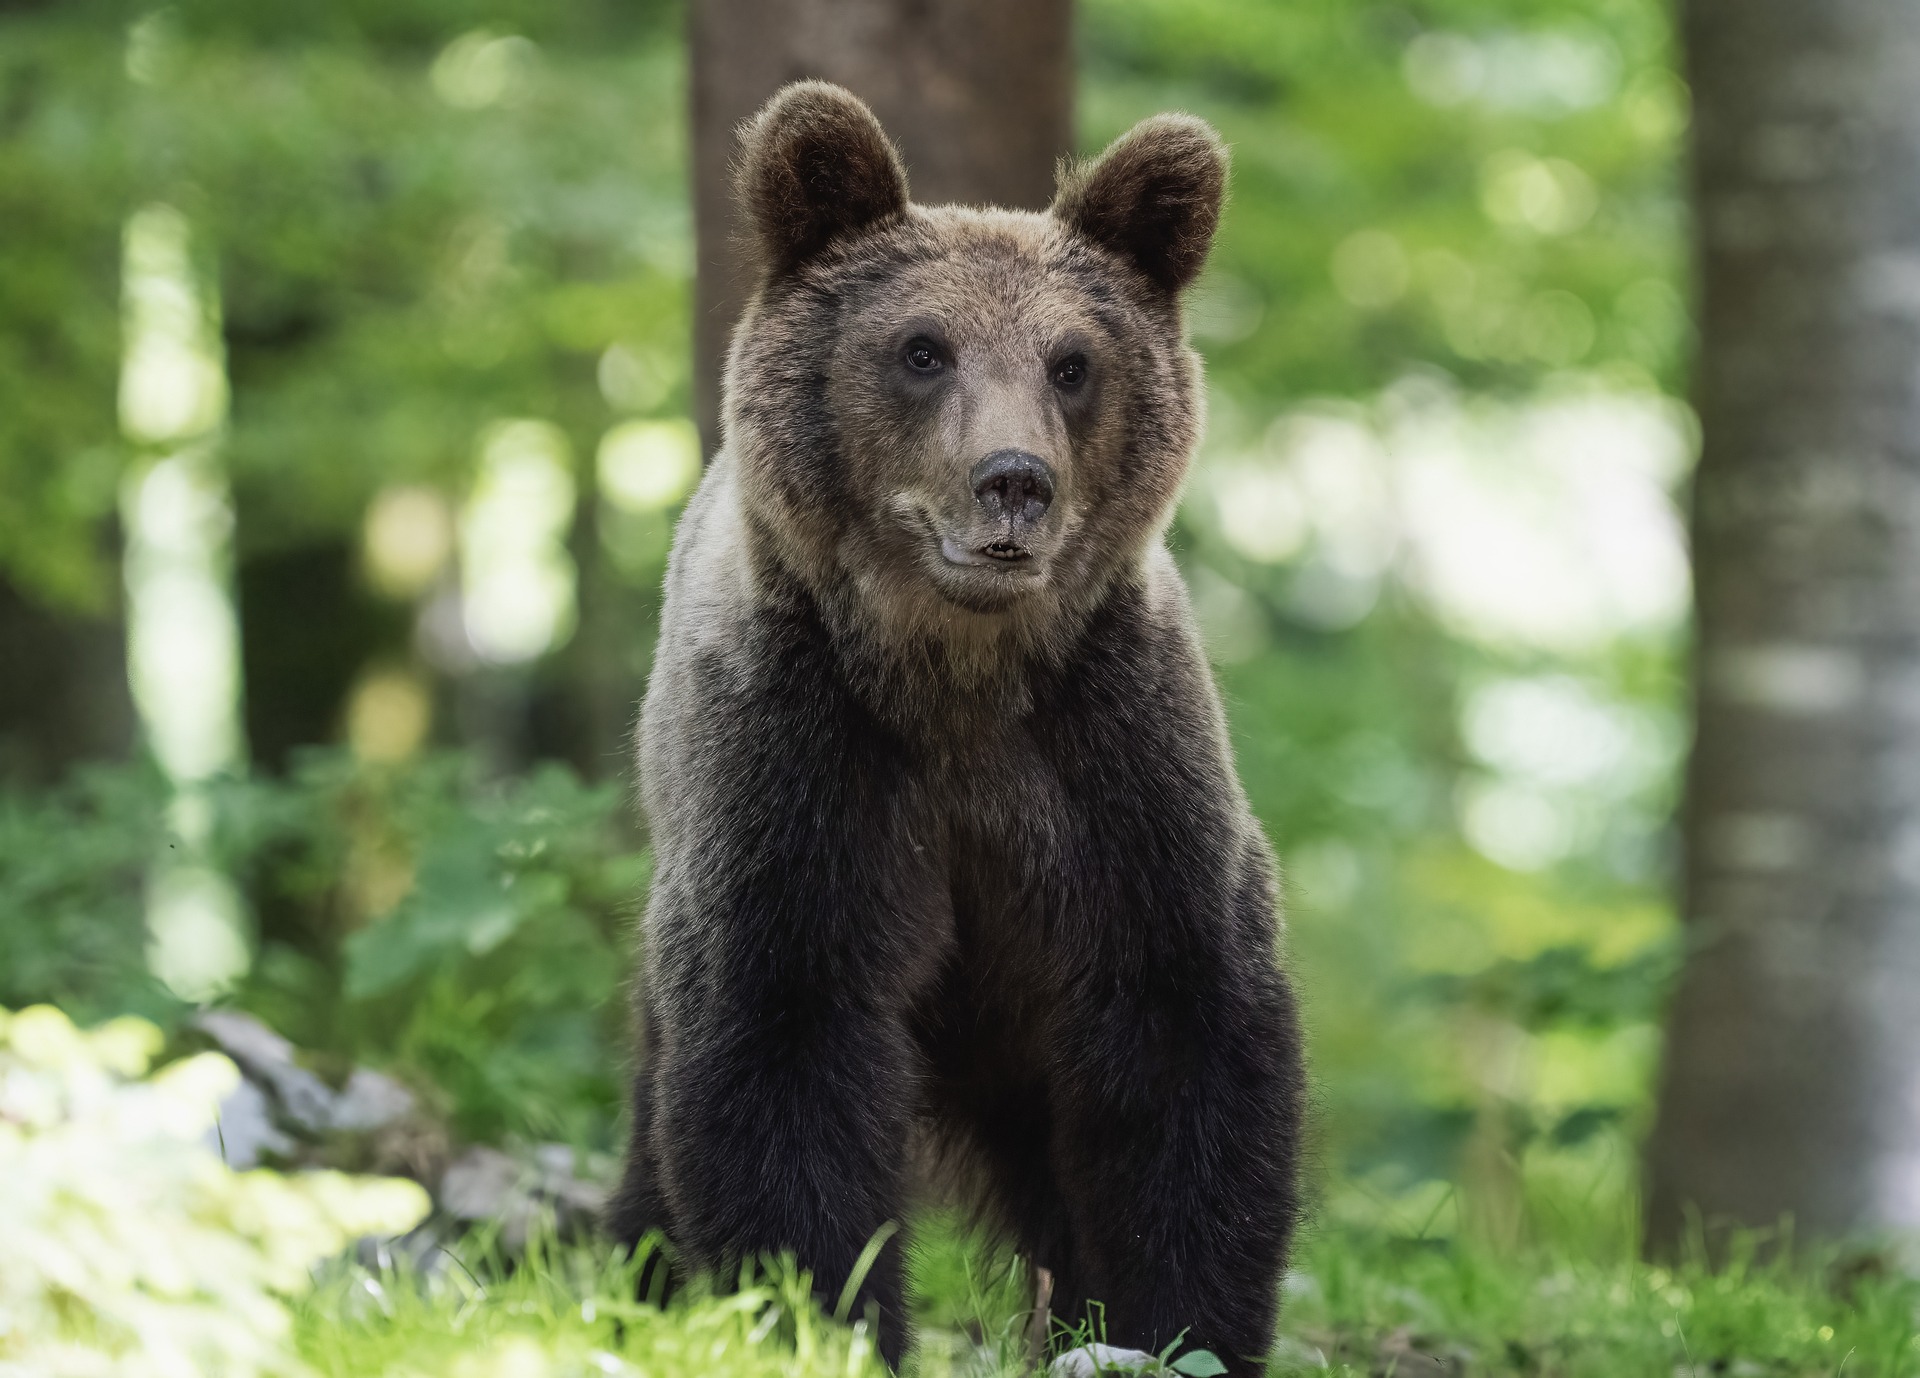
979	96
63	689
1792	1084
307	629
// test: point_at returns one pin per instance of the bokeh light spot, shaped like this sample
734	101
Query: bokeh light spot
482	68
406	539
645	466
388	715
517	577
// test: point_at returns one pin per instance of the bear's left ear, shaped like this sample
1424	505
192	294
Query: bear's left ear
1153	196
815	166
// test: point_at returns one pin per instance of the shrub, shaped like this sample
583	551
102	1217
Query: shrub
131	1248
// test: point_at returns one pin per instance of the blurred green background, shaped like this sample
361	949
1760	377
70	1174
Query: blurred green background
345	414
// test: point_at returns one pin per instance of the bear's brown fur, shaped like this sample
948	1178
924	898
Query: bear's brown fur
955	886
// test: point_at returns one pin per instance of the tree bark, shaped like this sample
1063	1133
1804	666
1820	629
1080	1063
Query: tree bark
978	95
1792	1082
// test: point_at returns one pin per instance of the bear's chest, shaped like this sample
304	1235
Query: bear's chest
1005	828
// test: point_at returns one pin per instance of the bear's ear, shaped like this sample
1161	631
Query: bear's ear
1153	196
815	165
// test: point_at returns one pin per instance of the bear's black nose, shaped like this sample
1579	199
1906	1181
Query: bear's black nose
1013	484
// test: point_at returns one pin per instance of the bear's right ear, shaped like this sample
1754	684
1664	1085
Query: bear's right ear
815	166
1153	197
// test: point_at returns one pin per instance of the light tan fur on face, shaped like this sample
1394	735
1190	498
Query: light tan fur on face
992	286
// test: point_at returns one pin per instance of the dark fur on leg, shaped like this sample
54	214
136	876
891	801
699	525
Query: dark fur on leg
783	955
1177	1084
637	1216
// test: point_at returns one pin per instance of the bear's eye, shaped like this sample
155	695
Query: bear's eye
1070	372
922	356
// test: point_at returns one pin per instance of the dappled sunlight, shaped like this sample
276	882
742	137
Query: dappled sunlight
133	1249
407	538
1549	525
647	466
1483	903
1546	72
482	68
517	577
1562	761
635	377
173	383
183	638
1542	195
198	922
184	649
1546	524
388	715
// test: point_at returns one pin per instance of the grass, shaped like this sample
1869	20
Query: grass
1376	1305
1357	1304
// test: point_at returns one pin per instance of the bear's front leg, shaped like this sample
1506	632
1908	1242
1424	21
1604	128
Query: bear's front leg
1178	1095
794	915
1175	1073
781	1127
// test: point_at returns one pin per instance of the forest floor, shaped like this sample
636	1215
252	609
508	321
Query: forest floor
1354	1306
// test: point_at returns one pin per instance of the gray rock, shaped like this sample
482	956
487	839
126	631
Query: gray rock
370	1101
577	1200
519	1194
305	1101
555	1161
282	1109
578	1204
1095	1361
420	1252
245	1131
481	1184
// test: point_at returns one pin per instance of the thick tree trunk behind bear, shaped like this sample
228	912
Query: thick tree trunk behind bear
1792	1085
979	96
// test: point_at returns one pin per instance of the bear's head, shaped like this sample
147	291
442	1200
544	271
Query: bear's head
956	415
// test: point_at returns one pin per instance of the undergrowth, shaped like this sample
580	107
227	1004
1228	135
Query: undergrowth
1355	1305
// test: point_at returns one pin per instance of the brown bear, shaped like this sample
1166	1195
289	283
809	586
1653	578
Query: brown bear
955	886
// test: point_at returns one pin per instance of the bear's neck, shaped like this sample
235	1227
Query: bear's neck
921	664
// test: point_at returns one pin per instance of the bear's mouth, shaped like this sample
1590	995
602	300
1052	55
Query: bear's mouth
999	551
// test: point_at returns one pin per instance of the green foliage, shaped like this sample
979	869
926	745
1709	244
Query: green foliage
72	924
963	1282
1411	122
471	935
408	242
140	1248
62	173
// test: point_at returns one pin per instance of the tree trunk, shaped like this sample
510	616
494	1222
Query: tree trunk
978	95
307	629
63	689
1792	1084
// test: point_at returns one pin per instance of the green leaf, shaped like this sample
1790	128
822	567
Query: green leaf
1199	1363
